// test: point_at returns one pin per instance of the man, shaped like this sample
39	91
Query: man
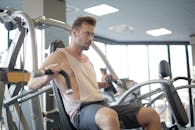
109	78
85	105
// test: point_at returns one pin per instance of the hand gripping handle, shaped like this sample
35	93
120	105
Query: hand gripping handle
62	72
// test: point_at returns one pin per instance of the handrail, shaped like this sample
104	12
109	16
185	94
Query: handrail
21	97
43	21
137	86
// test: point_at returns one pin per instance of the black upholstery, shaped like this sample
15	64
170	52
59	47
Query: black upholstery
176	105
164	69
64	117
59	102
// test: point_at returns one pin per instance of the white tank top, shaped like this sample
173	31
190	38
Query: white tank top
86	82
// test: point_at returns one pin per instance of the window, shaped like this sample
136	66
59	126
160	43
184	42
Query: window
117	56
4	44
138	63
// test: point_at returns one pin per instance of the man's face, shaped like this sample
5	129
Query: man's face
84	36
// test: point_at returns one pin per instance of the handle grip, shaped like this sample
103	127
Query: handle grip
68	84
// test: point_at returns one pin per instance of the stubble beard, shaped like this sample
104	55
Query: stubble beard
86	48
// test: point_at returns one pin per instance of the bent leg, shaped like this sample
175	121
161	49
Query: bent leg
107	119
149	118
96	116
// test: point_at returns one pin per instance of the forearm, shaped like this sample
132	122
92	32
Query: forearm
54	63
39	82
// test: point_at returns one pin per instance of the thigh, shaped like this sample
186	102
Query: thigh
85	118
127	115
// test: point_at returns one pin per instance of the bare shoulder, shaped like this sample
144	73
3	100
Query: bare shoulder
56	57
85	57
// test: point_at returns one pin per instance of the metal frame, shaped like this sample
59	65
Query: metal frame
24	22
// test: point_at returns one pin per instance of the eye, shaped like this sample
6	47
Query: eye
89	34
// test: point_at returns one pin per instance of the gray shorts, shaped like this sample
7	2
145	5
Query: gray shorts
85	118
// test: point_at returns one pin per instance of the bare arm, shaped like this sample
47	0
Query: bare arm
39	82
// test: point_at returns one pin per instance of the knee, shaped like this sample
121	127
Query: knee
107	116
154	115
148	115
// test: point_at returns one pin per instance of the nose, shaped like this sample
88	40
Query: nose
91	37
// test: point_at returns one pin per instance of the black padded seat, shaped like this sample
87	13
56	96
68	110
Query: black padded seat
64	117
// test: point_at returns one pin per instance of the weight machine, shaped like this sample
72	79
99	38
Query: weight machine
12	80
10	104
168	91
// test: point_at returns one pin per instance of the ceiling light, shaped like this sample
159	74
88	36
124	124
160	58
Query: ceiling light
158	32
100	10
120	28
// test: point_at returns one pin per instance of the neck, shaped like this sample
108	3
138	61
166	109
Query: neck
77	53
75	50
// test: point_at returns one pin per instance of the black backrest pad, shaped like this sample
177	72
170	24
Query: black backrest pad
164	69
176	105
172	95
59	102
64	117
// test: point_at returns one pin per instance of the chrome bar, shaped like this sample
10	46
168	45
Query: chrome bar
138	86
42	21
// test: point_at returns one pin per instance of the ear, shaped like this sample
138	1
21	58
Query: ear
74	32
